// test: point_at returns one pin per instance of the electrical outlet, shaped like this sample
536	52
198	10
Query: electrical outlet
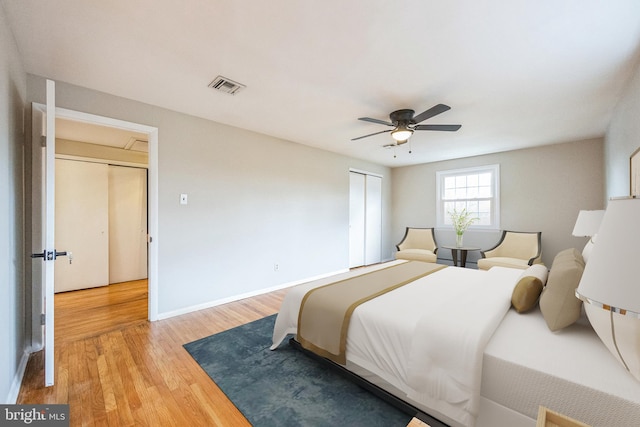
276	267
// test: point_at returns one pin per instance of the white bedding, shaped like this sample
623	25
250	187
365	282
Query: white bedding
287	319
411	337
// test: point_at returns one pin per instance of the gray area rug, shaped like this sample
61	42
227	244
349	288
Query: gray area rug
285	387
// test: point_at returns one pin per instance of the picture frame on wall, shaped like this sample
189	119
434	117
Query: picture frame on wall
634	173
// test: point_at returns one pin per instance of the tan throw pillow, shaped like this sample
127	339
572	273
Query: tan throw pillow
558	303
529	287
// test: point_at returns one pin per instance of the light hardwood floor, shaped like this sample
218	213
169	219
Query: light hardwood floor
114	368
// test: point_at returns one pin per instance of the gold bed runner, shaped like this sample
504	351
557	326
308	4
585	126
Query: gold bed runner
325	311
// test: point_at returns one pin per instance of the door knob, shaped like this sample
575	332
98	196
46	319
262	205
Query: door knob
49	255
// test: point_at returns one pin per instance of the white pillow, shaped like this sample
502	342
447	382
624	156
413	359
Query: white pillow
537	270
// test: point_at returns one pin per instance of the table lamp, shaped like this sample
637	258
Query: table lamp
587	223
610	283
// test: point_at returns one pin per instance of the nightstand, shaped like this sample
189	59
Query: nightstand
549	418
415	422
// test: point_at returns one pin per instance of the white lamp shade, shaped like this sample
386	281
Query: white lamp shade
588	223
401	134
612	275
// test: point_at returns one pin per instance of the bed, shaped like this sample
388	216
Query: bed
492	366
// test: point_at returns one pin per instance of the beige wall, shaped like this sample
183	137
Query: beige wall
623	138
254	201
542	189
13	338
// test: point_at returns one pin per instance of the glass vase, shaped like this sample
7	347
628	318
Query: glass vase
459	240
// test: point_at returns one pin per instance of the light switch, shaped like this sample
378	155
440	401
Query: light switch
183	199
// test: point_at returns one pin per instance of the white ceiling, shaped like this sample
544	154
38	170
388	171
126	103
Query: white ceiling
516	73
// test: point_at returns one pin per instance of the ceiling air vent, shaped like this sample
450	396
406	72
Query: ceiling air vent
226	85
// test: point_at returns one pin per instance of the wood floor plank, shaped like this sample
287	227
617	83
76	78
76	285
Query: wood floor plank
96	401
114	368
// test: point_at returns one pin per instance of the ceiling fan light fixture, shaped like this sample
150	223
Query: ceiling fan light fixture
402	133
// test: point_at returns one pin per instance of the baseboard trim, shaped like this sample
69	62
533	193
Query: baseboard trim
16	384
190	309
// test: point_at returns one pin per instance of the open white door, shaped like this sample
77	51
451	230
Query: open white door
43	228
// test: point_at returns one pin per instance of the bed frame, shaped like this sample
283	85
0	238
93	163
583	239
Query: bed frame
370	387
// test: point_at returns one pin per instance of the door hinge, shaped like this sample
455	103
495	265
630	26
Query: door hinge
43	319
43	140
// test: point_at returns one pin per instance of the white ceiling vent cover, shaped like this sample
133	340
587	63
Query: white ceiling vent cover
226	85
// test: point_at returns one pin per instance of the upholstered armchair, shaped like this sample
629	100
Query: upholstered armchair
418	244
516	249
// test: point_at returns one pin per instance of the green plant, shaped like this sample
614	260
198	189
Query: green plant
461	220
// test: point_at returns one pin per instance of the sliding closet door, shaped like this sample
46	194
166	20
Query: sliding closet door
82	225
127	224
373	220
357	227
365	219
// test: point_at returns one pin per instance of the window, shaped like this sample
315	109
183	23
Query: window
475	189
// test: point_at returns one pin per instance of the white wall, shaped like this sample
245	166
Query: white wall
254	201
623	138
542	189
13	90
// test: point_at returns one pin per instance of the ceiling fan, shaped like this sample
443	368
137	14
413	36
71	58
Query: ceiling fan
404	123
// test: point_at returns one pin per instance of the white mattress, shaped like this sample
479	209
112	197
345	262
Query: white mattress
570	371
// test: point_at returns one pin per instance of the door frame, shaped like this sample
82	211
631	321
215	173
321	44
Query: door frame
152	207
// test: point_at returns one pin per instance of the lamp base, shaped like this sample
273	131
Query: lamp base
620	334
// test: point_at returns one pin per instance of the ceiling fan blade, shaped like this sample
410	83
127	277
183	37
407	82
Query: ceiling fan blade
371	134
433	111
380	122
446	128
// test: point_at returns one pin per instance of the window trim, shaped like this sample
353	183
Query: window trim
440	176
